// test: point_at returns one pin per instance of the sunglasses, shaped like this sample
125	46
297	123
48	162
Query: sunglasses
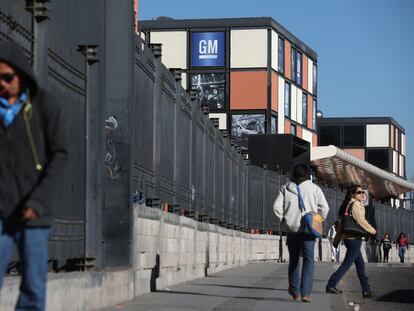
7	77
360	192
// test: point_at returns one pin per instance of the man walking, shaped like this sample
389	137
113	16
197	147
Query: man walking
32	158
287	209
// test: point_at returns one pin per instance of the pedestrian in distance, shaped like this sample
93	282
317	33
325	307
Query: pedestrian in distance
352	204
287	209
386	246
402	246
334	251
32	159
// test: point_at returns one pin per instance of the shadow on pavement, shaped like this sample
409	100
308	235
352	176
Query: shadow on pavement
399	296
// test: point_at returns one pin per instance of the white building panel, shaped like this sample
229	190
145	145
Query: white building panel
403	151
293	98
174	47
184	80
248	48
275	50
222	119
378	135
307	135
401	165
310	76
395	168
299	106
281	107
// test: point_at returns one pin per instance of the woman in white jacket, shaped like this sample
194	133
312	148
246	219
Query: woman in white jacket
287	209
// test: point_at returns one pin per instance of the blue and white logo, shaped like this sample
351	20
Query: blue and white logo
207	49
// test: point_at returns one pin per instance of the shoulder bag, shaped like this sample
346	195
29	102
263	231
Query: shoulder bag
313	222
349	225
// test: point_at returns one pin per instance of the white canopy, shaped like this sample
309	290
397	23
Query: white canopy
342	168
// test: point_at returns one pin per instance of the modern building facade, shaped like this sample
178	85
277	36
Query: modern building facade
379	141
252	73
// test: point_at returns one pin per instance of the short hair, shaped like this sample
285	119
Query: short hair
300	171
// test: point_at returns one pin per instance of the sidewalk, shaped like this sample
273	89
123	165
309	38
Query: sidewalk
261	286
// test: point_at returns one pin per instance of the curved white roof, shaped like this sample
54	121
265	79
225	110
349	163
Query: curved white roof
342	168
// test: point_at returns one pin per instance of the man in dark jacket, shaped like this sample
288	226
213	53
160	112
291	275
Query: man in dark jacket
32	158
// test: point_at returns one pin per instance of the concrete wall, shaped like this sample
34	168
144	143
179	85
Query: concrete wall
167	249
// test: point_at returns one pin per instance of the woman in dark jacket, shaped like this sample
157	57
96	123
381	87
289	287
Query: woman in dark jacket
386	246
352	205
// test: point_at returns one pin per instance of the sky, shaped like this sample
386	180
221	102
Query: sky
365	49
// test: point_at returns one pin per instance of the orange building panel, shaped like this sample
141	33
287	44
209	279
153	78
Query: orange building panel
287	127
248	90
314	140
305	72
275	91
358	153
288	51
310	111
299	131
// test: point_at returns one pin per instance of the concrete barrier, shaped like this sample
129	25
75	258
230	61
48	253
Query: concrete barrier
167	249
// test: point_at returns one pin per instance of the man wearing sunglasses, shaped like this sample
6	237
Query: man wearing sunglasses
32	158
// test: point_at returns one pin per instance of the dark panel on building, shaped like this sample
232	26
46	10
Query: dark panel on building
278	151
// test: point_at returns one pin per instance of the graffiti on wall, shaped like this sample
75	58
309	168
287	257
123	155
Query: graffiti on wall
112	161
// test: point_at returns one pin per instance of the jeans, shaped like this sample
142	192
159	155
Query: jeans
32	246
401	253
353	255
298	242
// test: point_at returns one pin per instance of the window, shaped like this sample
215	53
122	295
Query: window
299	68
315	79
399	142
305	109
287	100
274	125
329	135
281	55
296	59
314	113
293	129
242	125
354	136
378	157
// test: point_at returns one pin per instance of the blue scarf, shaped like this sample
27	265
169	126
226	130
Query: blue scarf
9	112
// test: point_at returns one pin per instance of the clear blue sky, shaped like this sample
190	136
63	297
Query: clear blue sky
365	49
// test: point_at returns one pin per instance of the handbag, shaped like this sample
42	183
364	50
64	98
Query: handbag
313	222
349	225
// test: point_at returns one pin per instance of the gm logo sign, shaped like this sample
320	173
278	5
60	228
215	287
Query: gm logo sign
207	49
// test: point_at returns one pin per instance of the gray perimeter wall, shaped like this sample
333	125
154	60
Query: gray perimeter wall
167	249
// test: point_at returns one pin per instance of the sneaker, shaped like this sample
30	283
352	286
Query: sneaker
369	295
332	290
306	299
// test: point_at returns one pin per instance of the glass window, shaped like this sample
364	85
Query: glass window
281	55
354	136
210	89
293	63
293	129
287	100
274	125
314	113
378	157
299	68
315	79
399	141
305	109
329	135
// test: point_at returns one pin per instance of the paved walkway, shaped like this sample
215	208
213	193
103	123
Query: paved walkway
262	286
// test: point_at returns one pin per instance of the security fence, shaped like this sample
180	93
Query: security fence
159	148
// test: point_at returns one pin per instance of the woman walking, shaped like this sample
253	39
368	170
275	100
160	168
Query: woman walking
402	246
352	206
386	246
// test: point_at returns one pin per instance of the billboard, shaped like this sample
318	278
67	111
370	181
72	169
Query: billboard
210	89
207	49
243	125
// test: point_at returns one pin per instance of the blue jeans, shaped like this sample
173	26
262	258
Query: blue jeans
32	246
353	255
401	253
298	242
